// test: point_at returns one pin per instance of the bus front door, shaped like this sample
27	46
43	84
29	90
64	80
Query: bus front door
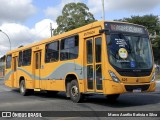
37	68
94	64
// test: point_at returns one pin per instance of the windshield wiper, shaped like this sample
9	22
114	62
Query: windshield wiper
126	41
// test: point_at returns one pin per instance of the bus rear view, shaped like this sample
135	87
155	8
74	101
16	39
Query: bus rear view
129	58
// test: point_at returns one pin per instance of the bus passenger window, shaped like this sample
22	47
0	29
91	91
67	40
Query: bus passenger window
52	52
8	61
20	59
69	48
27	57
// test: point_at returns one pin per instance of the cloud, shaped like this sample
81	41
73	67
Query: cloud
16	10
42	29
125	5
95	7
55	11
22	35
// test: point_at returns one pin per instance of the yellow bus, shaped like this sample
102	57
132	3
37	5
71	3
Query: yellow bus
104	57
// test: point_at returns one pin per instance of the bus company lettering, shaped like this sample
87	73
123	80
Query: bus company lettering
89	33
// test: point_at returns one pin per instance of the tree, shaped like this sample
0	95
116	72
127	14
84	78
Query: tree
156	49
74	15
152	23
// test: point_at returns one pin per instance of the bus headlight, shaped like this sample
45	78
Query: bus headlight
113	76
153	77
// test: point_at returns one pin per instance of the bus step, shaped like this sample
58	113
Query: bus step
37	89
93	93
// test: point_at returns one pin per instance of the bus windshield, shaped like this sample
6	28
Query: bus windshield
127	51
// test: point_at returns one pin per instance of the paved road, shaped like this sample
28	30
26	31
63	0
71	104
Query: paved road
158	86
11	100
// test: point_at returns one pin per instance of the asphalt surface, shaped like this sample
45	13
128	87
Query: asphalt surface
11	100
158	86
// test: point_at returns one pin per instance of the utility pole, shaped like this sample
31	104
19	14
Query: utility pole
103	11
51	29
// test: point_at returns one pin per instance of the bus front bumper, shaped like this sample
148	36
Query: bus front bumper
119	88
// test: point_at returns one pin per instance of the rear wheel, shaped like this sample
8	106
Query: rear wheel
75	94
112	98
23	89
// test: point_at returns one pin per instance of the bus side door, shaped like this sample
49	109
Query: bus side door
14	68
93	63
37	69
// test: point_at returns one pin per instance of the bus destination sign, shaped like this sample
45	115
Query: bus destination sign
126	28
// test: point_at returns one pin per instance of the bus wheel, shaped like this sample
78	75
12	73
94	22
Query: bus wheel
75	95
23	89
112	98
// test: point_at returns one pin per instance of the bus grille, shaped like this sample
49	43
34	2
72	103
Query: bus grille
134	74
130	88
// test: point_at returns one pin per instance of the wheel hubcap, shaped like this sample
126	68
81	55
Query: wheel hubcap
22	88
74	91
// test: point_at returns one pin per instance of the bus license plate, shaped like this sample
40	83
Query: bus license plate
137	90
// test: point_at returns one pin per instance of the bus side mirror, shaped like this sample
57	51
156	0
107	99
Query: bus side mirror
106	31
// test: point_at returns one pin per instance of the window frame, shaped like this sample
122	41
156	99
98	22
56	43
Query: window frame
58	50
19	65
68	48
22	58
10	61
25	56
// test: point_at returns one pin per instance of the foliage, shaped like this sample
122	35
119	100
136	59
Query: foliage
74	15
156	49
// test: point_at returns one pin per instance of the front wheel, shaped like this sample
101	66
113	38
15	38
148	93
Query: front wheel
75	94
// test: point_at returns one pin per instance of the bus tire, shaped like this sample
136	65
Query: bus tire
23	89
112	98
75	95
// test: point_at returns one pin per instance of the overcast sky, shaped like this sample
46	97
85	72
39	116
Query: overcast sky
28	21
